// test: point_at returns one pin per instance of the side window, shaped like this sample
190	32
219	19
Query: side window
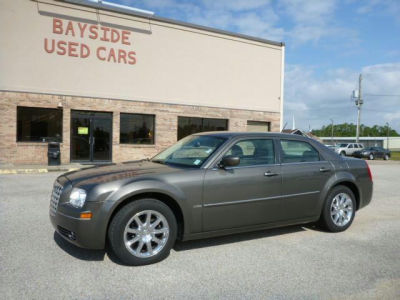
351	146
298	151
355	145
253	152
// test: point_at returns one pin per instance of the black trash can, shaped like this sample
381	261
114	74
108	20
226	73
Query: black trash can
53	154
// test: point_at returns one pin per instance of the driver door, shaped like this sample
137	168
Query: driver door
247	194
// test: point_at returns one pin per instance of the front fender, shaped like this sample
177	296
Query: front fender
145	186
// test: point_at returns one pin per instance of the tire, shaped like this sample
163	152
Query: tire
371	157
124	229
343	153
386	157
328	215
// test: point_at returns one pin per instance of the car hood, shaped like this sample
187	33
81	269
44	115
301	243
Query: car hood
113	172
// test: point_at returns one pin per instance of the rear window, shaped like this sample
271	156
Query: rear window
298	151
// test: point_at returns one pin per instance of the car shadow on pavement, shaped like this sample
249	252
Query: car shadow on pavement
80	253
235	238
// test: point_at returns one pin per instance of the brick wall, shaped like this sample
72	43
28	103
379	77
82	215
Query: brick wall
15	152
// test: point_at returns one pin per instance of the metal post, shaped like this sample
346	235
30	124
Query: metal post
359	102
387	136
331	131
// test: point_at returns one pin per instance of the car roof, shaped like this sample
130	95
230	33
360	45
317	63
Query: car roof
232	134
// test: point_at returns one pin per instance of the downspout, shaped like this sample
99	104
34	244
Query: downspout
282	85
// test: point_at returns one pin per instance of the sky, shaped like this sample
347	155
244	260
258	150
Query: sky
328	44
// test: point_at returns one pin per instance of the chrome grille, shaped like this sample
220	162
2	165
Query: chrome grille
55	197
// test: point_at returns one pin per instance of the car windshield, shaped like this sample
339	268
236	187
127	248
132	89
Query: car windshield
192	151
342	145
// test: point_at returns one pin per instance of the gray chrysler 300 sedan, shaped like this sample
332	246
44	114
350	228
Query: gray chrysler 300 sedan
206	185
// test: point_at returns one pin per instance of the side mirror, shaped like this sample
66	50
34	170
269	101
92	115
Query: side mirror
229	161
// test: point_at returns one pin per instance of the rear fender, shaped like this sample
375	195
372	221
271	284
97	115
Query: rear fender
340	176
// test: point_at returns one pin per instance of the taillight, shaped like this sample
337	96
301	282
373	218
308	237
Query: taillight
369	171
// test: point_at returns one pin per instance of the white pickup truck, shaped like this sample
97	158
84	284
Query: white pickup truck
348	149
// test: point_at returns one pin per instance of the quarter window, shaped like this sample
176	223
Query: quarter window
189	125
253	152
136	129
39	124
298	151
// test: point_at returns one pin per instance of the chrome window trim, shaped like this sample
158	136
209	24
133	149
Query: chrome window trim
242	167
304	162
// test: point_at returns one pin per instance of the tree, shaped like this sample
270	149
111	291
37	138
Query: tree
349	130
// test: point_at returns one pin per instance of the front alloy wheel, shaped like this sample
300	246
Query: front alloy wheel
142	232
371	156
146	233
339	209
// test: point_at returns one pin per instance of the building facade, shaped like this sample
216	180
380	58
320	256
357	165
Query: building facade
112	86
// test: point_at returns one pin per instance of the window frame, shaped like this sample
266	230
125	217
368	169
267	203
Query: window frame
140	114
40	108
229	145
281	153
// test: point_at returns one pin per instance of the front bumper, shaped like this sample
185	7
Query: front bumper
360	155
83	233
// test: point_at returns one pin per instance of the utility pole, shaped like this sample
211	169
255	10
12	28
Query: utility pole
387	136
359	102
331	131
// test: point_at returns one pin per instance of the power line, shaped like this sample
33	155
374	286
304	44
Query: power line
381	95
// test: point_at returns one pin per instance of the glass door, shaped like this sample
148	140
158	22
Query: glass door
101	138
91	134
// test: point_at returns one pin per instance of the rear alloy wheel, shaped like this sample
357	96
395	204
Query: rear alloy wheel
339	209
343	153
386	157
371	157
143	232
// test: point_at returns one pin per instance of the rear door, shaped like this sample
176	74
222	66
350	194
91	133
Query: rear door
350	149
304	174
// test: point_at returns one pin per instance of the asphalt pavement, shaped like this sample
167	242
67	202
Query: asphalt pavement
298	262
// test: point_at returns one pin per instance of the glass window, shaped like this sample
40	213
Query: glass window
350	146
136	129
190	125
298	151
253	152
191	151
39	124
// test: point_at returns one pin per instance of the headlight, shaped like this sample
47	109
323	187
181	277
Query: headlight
77	197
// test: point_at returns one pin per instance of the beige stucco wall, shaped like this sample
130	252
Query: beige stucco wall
174	64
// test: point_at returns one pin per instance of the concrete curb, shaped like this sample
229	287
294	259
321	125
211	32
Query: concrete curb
34	171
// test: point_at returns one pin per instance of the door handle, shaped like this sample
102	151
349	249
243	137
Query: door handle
324	170
270	174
